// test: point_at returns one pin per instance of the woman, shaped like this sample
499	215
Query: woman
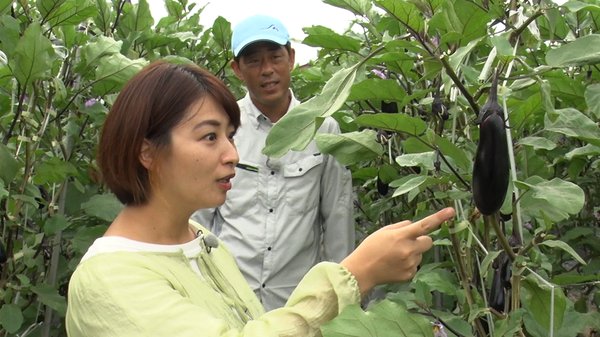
167	150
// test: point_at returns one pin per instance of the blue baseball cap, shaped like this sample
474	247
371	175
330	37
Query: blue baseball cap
258	28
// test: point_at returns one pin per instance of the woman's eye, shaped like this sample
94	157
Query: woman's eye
210	136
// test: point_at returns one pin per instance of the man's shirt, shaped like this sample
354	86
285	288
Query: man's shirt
283	215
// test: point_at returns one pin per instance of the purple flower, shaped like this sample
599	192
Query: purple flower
379	73
90	102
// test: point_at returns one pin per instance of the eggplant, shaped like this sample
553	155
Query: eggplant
500	288
3	255
389	107
491	167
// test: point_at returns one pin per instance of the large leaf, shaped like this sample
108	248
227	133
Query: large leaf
9	166
451	150
582	51
406	12
114	71
319	36
555	199
377	89
49	296
103	206
65	12
384	319
11	317
53	170
136	18
297	127
573	123
538	143
564	246
393	122
407	184
358	7
423	159
221	30
103	46
592	98
351	147
33	56
545	304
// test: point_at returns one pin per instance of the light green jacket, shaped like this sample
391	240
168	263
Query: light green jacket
129	294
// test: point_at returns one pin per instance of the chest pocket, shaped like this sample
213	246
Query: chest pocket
303	182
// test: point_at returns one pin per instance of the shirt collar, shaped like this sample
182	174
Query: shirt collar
256	117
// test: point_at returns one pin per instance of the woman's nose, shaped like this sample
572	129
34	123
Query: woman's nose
231	155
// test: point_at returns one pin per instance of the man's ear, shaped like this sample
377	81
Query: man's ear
147	154
236	69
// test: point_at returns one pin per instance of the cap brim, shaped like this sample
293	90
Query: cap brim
256	38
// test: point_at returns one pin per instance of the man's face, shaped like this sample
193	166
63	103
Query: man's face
265	69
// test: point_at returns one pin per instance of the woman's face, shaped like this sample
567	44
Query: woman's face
196	171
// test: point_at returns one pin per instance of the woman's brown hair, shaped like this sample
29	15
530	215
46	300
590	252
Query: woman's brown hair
150	105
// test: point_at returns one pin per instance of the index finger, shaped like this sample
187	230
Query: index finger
430	223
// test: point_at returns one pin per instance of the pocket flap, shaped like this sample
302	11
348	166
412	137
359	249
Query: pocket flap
302	166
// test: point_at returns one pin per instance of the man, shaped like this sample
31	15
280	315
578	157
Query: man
285	214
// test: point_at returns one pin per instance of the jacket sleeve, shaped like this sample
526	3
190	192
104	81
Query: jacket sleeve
336	207
119	300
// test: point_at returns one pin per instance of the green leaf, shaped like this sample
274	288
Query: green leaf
114	71
65	12
538	143
93	52
11	318
393	122
9	166
221	30
404	11
50	297
53	170
136	18
487	261
584	151
407	184
423	159
441	280
297	127
319	36
351	147
555	199
451	150
376	89
571	122
384	319
33	56
103	206
582	51
564	246
358	7
510	326
55	224
592	99
538	300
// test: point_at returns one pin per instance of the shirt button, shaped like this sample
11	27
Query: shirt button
269	249
300	169
272	172
271	210
264	285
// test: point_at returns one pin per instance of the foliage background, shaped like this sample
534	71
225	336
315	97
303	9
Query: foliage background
62	62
